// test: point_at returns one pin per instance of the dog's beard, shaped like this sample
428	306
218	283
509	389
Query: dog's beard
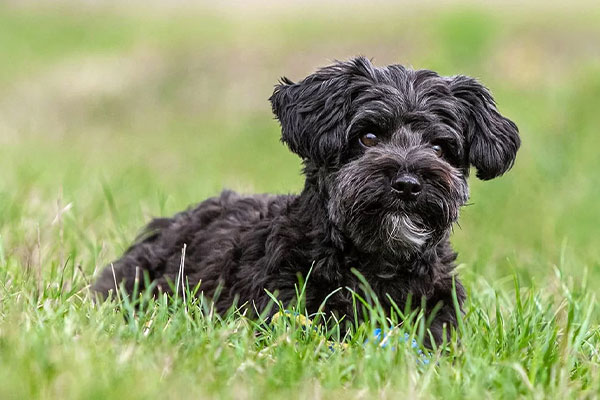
376	224
402	232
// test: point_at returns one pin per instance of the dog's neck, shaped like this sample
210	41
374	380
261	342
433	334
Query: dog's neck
311	209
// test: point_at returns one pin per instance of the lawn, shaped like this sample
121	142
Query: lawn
110	115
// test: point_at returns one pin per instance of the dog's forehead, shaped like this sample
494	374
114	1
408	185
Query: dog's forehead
396	97
408	91
406	95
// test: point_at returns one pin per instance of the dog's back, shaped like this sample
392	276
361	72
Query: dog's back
212	232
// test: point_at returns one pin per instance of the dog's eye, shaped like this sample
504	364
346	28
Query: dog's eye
369	140
437	149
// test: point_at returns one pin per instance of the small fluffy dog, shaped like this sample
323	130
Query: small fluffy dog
386	155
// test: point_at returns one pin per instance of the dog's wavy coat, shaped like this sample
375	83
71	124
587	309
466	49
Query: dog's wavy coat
386	154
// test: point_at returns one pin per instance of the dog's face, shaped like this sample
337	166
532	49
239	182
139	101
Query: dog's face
391	148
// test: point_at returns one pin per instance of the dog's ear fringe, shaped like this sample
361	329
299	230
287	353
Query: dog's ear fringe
493	140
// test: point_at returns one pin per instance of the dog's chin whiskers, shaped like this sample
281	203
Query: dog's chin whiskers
400	229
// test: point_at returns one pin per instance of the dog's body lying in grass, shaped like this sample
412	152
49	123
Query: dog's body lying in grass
386	153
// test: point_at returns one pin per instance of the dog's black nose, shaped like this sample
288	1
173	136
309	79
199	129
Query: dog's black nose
407	186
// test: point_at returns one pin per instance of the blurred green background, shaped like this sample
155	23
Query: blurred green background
111	114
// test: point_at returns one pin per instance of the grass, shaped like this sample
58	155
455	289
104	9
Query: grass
110	115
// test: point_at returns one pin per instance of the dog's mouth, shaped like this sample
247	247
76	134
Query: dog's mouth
429	212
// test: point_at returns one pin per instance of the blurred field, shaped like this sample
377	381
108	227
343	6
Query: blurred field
110	115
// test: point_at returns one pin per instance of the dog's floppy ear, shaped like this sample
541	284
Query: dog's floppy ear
492	140
313	112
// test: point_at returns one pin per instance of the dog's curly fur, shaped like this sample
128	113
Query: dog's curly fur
348	216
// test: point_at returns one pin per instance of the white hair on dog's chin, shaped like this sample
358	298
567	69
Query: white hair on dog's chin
401	229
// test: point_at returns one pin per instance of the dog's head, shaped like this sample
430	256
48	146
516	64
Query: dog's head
391	147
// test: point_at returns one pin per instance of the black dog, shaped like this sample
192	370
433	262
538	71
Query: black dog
386	155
